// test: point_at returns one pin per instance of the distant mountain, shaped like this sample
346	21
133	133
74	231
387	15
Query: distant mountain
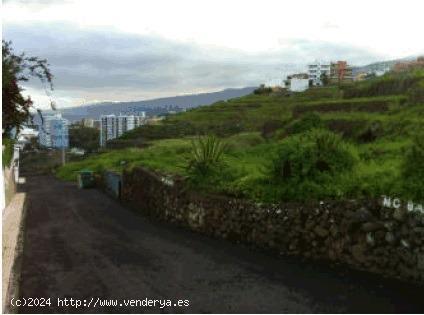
154	106
380	66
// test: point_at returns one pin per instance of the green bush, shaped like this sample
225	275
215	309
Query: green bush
7	152
206	155
308	122
412	170
416	93
310	164
262	90
206	169
84	137
270	127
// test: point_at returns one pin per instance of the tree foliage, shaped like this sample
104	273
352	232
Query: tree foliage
325	80
18	69
84	138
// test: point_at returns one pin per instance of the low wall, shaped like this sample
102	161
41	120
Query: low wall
12	221
9	185
112	182
10	177
363	234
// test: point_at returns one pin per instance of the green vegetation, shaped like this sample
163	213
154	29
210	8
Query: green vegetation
389	84
18	68
262	90
327	142
413	168
206	155
166	155
7	152
307	122
308	162
84	138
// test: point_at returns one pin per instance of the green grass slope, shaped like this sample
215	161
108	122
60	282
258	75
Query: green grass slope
380	120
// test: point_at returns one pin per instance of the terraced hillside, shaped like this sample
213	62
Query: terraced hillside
365	139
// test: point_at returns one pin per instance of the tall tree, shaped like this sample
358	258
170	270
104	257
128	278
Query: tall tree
18	69
84	138
324	79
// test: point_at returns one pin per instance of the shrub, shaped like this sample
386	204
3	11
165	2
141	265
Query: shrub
413	169
416	93
7	152
308	164
84	137
270	127
262	90
371	132
308	122
206	155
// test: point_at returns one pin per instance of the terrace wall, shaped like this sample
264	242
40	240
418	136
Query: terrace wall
363	234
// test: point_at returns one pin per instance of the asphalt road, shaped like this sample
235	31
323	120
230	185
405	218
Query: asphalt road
83	245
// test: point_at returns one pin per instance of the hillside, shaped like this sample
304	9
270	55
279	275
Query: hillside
332	142
381	66
154	106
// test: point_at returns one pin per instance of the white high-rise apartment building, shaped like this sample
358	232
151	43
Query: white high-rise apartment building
108	128
112	126
54	132
316	70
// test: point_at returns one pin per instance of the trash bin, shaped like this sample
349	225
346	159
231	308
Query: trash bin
85	179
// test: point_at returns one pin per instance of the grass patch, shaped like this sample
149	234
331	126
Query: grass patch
378	123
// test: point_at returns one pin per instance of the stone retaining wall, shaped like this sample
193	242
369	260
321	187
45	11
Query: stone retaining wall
362	234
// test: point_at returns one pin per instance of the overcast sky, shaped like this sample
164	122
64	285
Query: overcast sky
132	50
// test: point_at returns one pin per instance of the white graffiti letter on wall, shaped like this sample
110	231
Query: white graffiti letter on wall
396	203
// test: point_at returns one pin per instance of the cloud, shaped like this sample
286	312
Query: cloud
103	63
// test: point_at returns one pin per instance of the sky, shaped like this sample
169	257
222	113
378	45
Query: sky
123	50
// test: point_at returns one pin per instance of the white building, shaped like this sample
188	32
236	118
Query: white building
297	82
316	70
299	85
108	128
112	126
54	132
25	136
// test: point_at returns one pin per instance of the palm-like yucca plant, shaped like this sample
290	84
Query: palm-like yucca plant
207	152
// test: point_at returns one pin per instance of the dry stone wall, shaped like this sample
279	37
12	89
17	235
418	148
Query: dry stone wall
381	236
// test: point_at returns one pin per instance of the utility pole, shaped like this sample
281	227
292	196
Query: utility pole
63	149
63	140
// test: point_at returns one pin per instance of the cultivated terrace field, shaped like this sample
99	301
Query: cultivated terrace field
359	140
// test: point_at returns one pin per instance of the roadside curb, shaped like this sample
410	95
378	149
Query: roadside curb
13	218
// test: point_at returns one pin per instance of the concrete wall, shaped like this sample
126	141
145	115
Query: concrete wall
10	178
386	239
12	220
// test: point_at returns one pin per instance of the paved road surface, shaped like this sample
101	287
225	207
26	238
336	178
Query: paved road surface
82	244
